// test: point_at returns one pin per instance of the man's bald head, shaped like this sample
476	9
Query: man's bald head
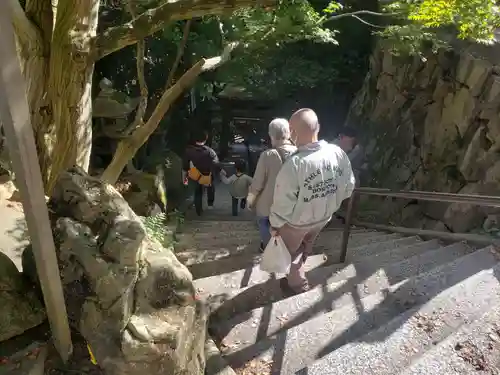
304	121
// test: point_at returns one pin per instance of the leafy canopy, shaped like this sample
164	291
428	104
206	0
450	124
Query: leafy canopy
277	47
428	20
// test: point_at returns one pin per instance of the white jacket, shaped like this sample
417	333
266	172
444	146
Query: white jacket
311	186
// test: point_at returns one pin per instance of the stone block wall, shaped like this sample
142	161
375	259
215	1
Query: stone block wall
432	123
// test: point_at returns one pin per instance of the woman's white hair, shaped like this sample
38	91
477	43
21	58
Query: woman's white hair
279	129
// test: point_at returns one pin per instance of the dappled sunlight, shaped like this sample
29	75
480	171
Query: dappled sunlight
409	89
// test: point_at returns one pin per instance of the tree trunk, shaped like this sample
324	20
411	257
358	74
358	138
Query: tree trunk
70	84
33	48
58	63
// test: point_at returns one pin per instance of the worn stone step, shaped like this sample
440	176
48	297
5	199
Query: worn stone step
300	346
380	246
226	306
222	232
243	278
327	241
392	347
242	260
398	253
187	242
363	277
473	349
332	239
213	242
228	225
252	274
225	265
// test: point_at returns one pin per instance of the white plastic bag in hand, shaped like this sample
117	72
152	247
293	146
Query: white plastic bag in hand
276	257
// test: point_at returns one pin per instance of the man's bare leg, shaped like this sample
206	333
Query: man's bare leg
300	245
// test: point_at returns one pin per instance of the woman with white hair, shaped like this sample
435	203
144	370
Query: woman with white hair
261	191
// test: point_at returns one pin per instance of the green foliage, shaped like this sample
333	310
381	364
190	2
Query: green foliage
410	39
277	54
156	228
425	22
290	21
162	227
474	19
333	7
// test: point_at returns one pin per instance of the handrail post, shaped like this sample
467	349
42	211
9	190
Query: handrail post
347	228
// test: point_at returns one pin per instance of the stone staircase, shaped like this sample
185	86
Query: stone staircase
400	305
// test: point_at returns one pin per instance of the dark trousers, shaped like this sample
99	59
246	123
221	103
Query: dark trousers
198	197
242	203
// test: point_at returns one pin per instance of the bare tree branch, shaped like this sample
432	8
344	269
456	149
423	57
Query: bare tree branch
128	147
359	13
153	20
180	52
367	23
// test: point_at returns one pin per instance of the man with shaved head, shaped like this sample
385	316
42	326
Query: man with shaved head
310	187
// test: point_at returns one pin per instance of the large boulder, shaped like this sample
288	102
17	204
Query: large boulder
20	309
131	299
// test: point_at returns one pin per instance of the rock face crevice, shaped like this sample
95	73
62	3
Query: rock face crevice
129	297
432	123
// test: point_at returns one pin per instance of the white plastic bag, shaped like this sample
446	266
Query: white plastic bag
276	257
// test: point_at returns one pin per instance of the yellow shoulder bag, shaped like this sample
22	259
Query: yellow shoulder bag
195	175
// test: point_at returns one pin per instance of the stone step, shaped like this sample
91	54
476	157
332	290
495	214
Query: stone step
252	274
221	230
210	242
187	242
473	349
243	260
327	241
300	346
363	278
220	214
228	225
391	348
243	278
220	234
225	265
226	305
397	254
373	248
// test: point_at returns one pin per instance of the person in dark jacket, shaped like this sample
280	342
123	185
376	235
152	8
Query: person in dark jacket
205	160
347	140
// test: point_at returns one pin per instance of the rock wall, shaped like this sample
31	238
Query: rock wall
129	297
432	124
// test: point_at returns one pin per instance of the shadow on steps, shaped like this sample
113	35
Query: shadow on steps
414	292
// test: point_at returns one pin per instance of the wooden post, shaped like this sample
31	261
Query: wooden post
347	228
15	115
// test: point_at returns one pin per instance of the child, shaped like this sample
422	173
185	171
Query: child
239	184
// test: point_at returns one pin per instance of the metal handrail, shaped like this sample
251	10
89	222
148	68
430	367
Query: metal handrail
479	200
